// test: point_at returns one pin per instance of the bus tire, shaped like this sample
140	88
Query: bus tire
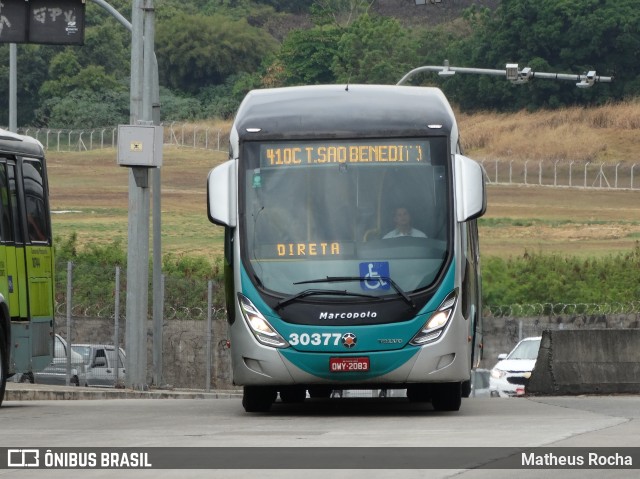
293	394
258	398
4	365
447	396
466	388
419	392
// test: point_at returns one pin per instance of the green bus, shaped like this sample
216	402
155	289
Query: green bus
26	259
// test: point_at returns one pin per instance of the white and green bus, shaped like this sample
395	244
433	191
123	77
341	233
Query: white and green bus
26	259
351	244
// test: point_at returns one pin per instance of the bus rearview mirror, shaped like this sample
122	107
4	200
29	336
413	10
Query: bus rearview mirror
221	194
471	197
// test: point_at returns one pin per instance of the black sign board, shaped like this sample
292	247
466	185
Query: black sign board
13	21
56	22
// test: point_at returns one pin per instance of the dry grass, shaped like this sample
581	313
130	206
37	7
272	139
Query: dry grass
608	133
568	221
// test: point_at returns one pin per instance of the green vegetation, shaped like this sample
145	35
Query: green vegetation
94	270
211	52
533	278
553	279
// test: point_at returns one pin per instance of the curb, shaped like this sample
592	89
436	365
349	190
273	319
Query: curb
22	392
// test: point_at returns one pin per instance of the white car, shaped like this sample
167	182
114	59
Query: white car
511	374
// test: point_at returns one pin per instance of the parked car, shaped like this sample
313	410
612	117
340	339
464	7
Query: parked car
509	377
56	371
480	383
102	364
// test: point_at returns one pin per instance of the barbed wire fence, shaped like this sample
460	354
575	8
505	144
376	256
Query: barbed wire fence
195	353
187	135
563	173
553	173
195	350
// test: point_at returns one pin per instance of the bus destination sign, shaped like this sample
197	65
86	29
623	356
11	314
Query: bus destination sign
326	153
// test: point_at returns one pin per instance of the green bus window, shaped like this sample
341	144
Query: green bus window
34	201
13	200
5	211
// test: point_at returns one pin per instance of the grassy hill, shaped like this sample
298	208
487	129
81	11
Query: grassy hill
93	190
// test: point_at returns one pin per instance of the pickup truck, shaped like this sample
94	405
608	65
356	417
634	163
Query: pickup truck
103	368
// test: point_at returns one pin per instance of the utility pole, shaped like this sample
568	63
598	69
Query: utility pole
140	148
144	111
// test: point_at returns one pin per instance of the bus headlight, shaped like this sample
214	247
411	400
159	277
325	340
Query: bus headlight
438	321
260	327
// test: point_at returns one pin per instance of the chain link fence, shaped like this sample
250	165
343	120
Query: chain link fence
561	173
555	173
91	310
186	135
195	349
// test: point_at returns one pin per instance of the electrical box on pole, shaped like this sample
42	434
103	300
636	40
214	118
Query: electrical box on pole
54	22
140	145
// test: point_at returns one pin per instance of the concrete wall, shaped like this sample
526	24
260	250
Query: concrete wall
184	342
501	334
587	362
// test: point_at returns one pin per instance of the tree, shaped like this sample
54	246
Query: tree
374	49
32	70
307	56
85	109
197	51
66	75
558	35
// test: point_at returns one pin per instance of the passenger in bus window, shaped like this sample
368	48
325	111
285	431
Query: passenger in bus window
402	220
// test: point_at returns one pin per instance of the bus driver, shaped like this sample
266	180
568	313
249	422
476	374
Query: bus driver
402	220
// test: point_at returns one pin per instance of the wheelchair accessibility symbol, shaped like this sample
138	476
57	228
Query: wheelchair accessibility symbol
375	275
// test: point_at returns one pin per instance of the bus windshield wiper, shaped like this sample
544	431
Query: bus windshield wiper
318	292
341	279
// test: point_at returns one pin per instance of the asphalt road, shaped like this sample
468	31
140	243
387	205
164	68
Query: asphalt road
218	420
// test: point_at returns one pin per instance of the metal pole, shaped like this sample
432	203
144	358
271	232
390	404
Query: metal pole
13	87
116	326
158	324
138	233
208	349
69	292
149	109
137	48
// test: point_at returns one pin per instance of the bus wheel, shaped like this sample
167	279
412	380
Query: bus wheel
258	398
447	396
466	388
419	392
4	365
290	394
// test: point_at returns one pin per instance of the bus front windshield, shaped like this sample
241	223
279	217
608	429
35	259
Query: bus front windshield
368	210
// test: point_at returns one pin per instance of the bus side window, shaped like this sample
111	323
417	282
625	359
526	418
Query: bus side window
34	201
13	201
5	215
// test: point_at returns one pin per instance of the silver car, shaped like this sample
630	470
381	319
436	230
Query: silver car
56	371
103	367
